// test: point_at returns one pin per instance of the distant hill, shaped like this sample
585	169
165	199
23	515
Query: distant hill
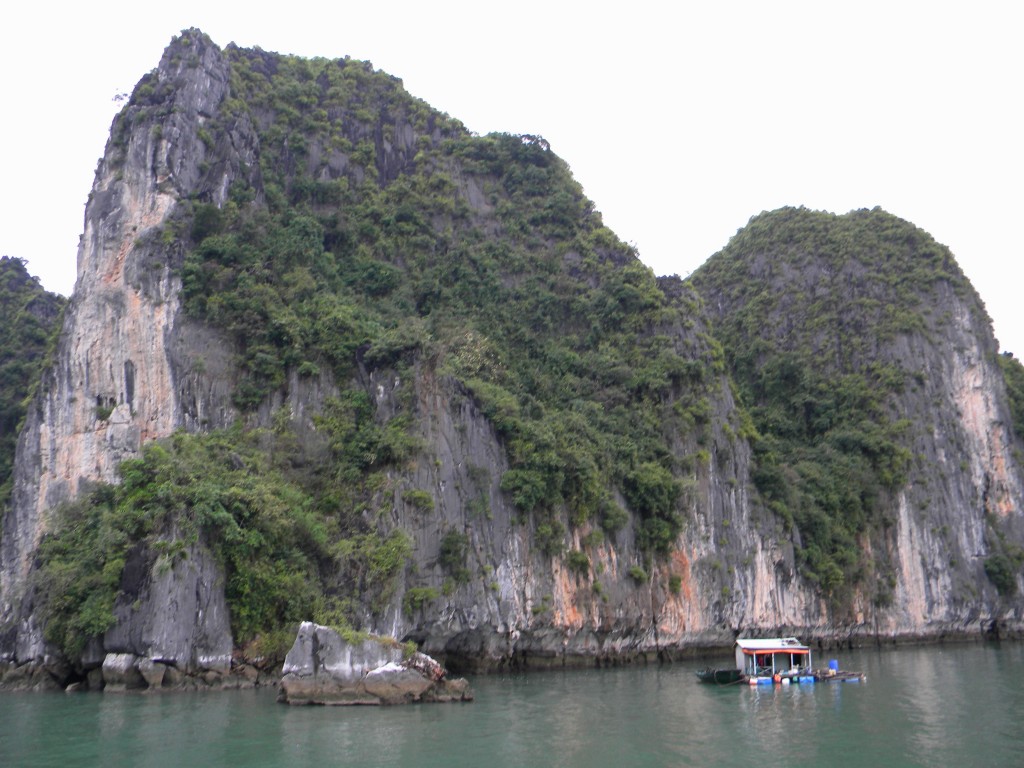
29	318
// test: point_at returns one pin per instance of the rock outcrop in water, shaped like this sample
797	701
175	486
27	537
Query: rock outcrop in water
495	432
324	668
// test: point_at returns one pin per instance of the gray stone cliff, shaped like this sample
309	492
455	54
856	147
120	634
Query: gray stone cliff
964	490
131	368
127	364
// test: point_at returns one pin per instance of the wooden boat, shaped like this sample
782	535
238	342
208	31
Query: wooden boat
720	676
831	675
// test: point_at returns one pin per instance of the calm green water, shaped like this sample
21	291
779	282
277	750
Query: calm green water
936	706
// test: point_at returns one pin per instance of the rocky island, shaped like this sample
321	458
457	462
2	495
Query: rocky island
330	356
324	668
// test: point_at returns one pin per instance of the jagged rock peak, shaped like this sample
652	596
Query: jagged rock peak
122	374
177	102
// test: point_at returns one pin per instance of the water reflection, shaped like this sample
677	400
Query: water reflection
921	700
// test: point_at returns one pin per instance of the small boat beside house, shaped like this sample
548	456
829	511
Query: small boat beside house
776	660
720	676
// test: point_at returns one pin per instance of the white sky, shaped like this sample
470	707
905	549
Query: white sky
681	120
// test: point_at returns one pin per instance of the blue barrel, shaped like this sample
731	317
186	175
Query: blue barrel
806	678
833	664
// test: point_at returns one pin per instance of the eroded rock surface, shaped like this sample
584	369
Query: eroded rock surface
323	668
130	367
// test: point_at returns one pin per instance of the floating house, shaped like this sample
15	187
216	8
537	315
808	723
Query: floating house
768	657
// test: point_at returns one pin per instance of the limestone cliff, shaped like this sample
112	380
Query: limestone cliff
729	569
499	434
126	364
871	306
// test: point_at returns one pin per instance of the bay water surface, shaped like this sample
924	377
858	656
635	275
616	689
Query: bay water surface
951	705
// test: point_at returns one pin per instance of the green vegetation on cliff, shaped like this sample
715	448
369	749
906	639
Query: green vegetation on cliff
287	551
29	318
1013	375
375	240
391	236
378	235
806	303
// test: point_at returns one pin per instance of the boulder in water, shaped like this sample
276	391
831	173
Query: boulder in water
322	667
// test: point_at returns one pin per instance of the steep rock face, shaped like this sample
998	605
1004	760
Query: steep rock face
852	296
516	605
173	612
965	488
485	585
127	366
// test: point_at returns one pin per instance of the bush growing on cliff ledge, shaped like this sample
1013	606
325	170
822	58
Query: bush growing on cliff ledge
290	551
452	555
81	565
1002	572
1013	375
